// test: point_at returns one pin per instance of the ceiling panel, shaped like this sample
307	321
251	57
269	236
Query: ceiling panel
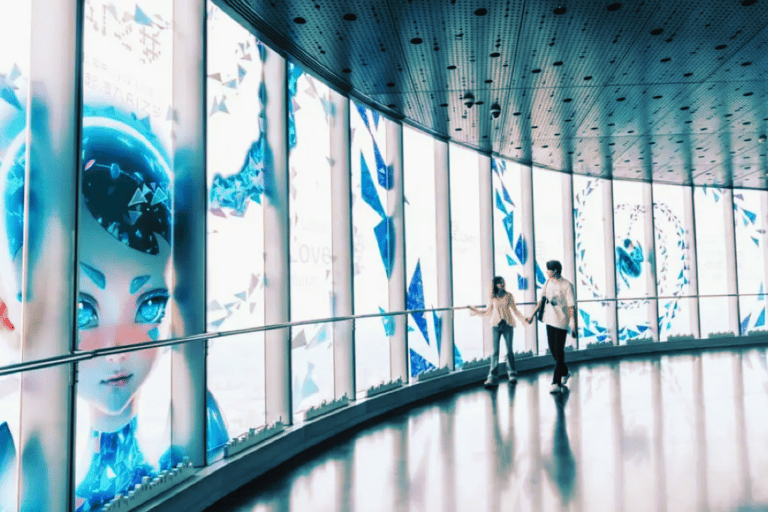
673	91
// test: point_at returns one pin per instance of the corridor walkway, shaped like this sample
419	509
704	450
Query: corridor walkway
684	432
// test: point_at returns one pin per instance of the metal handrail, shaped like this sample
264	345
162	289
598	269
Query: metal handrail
82	355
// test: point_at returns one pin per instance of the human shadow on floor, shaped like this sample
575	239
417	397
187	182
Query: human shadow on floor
560	466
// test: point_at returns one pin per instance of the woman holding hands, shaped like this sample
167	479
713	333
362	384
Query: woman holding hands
501	306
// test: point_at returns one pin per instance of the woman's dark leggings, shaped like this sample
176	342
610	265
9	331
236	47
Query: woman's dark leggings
556	340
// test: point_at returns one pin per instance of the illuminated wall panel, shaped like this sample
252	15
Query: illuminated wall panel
465	227
125	239
424	329
675	260
552	234
634	255
749	210
513	243
311	111
593	232
712	251
716	260
236	171
373	244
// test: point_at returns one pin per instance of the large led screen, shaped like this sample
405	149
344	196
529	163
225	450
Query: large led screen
373	243
311	114
236	147
749	210
125	240
594	274
424	328
552	228
673	234
465	243
634	260
513	244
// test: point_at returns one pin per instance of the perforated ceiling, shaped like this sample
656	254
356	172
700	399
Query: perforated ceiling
668	90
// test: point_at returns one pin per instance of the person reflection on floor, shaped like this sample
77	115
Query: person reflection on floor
560	467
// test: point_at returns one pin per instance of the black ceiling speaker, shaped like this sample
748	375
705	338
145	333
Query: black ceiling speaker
495	110
469	100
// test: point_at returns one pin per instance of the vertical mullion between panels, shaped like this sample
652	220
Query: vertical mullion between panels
398	344
486	237
188	376
609	230
48	283
528	178
342	261
690	240
569	249
277	304
613	270
529	268
651	209
572	253
730	261
444	247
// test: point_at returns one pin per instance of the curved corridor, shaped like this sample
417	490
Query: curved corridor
683	432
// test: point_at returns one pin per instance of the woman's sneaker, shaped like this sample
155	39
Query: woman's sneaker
564	379
556	388
513	376
491	382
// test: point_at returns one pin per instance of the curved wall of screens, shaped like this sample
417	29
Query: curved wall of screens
324	172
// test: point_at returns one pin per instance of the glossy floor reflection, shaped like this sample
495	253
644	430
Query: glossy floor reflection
678	433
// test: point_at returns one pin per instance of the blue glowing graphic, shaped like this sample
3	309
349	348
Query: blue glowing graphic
515	245
118	462
386	241
8	88
415	300
368	189
137	283
294	73
419	364
438	324
629	257
389	323
237	190
384	231
94	275
7	468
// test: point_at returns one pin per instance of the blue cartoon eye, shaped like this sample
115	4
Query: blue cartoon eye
87	315
151	309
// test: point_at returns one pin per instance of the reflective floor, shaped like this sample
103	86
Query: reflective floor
678	433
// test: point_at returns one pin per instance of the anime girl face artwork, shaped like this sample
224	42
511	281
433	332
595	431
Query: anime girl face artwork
122	301
124	256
